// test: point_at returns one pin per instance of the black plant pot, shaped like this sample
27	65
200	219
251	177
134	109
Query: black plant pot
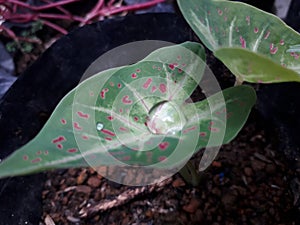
32	98
30	101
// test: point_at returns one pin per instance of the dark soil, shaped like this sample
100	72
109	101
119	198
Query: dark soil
249	183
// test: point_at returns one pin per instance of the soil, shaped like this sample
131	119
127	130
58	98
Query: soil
248	183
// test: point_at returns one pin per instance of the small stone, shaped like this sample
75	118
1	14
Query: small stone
72	172
228	199
65	201
73	219
257	165
48	220
198	216
216	164
178	183
84	189
192	206
149	214
82	177
94	182
248	171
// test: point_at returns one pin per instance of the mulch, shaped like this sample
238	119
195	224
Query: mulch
248	183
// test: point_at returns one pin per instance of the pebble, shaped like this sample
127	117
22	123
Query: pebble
229	199
82	177
192	206
73	219
198	216
84	189
48	220
178	183
94	182
248	171
257	165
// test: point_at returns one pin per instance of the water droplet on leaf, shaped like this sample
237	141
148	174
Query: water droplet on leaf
99	126
165	118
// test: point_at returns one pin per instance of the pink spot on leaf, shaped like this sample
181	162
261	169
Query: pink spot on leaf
147	83
248	20
220	12
119	85
136	118
102	94
153	89
110	118
63	121
25	157
162	88
126	158
83	115
108	132
123	129
84	137
58	139
59	146
172	66
189	129
46	152
77	126
126	100
162	158
214	129
243	42
281	42
36	160
273	49
134	75
72	150
202	134
163	146
256	30
111	84
39	152
108	138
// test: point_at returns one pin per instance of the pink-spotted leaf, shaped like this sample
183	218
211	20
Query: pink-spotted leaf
106	120
233	30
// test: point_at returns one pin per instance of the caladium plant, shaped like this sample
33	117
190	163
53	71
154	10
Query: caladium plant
139	114
136	115
255	45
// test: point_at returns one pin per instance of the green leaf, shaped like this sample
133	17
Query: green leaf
253	67
136	115
104	119
235	26
220	116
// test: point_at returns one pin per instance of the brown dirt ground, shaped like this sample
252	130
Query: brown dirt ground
248	183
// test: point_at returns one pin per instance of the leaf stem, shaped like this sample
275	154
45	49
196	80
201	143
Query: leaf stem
190	174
